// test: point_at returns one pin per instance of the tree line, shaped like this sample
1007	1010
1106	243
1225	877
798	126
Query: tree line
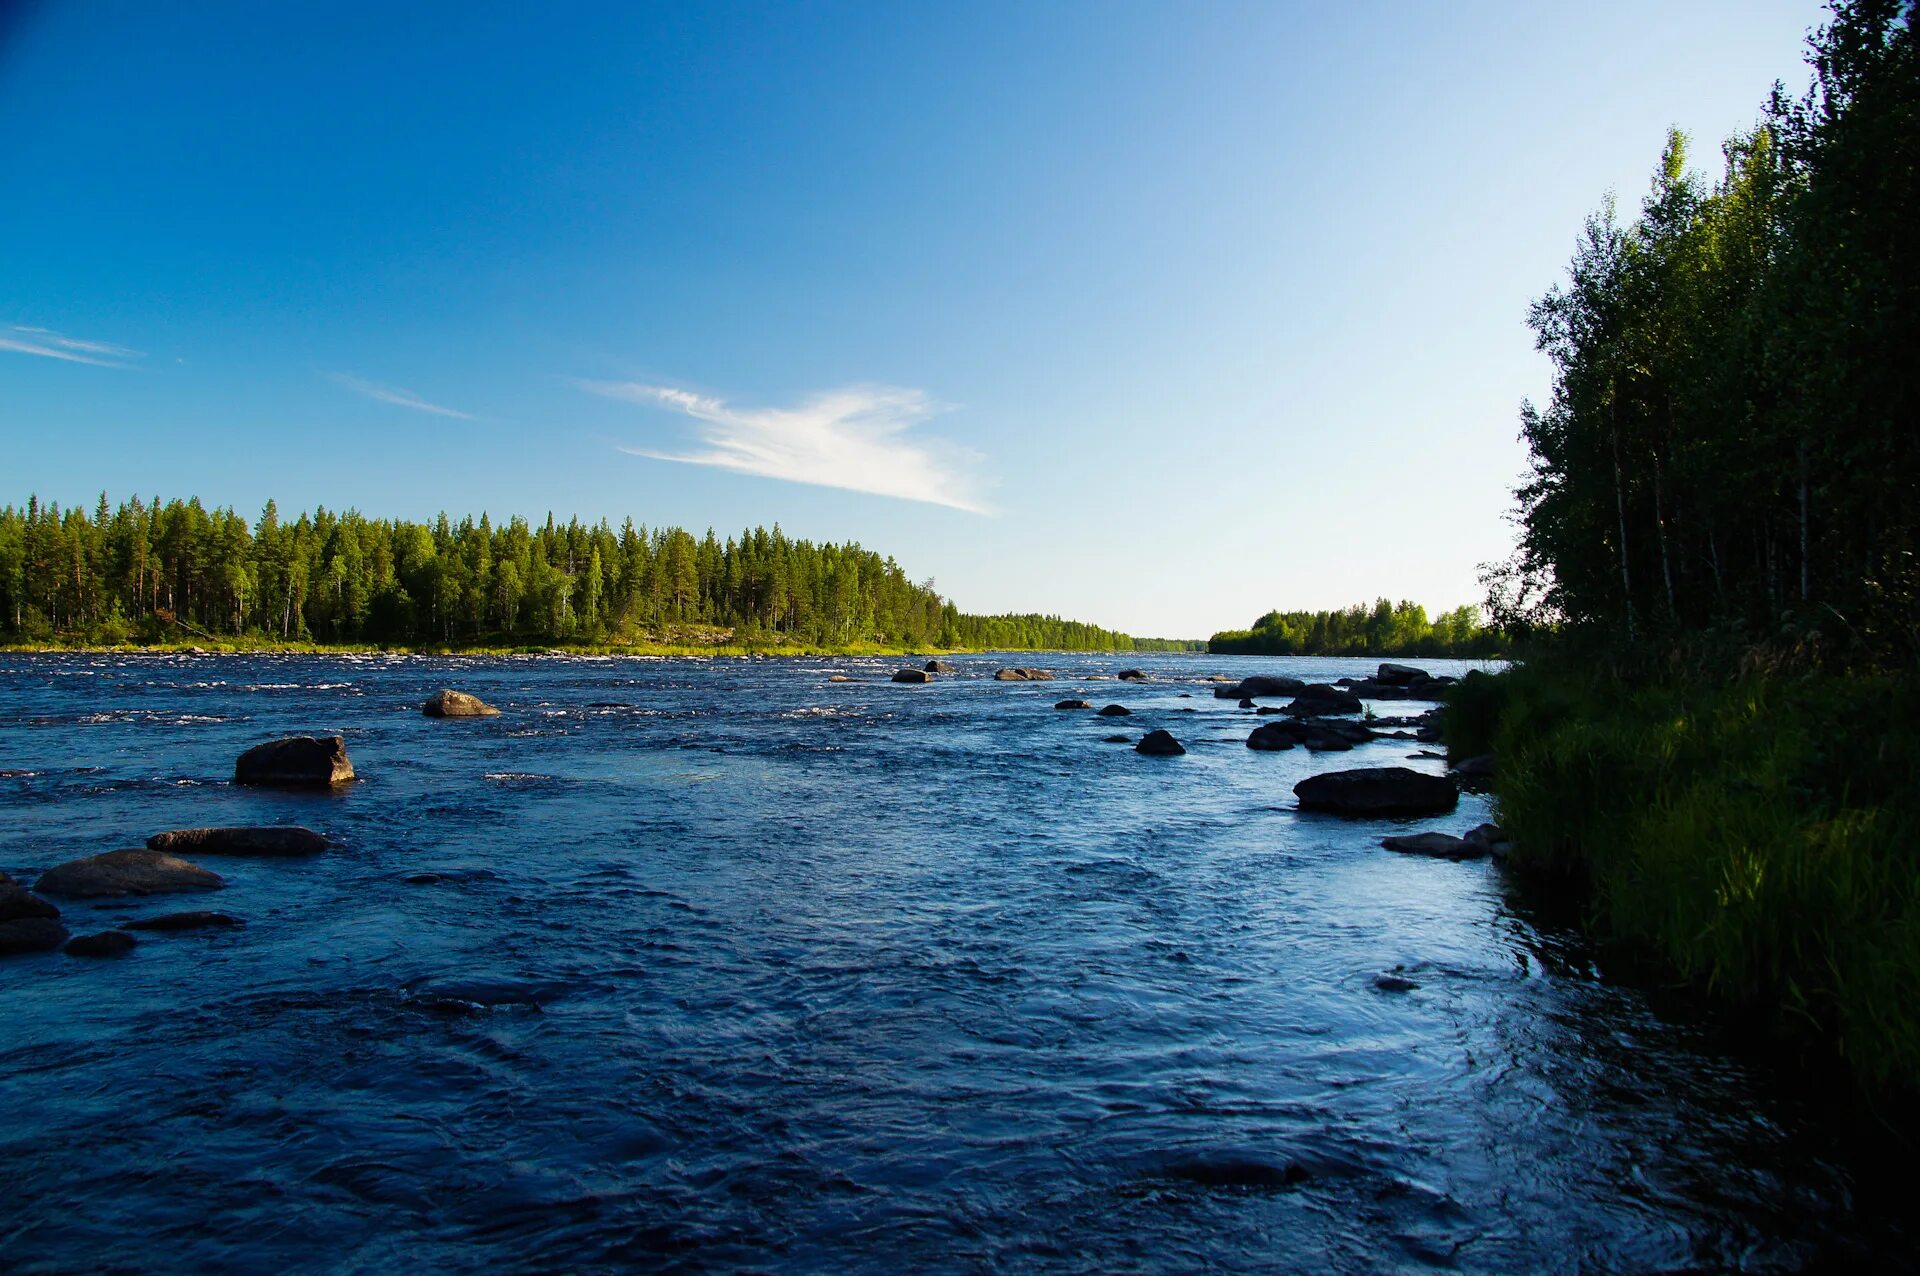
147	571
1384	629
1731	443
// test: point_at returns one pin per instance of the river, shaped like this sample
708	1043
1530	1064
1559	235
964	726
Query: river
701	965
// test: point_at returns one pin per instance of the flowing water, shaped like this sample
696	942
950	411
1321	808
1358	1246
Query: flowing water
717	964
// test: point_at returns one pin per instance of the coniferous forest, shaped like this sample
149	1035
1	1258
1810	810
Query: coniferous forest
144	571
1384	629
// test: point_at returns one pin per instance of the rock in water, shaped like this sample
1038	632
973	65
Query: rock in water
126	873
1273	737
18	903
108	943
1442	846
912	675
1260	685
290	840
1131	675
185	921
1378	791
448	703
1400	675
938	666
1073	704
31	935
839	677
1022	675
1116	711
1319	699
1476	770
1116	739
1159	744
300	761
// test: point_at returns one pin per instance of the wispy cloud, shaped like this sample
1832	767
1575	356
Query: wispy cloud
48	344
851	438
398	397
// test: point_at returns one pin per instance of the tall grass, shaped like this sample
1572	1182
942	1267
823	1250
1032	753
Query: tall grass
1759	837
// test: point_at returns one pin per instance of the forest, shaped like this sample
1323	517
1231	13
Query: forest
1384	629
1710	736
144	571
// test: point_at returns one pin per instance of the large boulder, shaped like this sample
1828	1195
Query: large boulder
1131	675
1399	675
1378	791
1159	744
1022	675
448	703
912	675
298	761
1442	846
126	873
1116	711
1273	737
1073	704
31	935
1475	772
18	903
1318	699
938	666
283	841
1260	685
108	943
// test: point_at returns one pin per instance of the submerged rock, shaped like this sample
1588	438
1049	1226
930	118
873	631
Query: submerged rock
31	935
1116	711
126	873
938	666
1116	739
1074	704
1437	845
185	921
912	675
17	902
1378	791
1394	983
1159	744
297	761
1131	675
108	943
283	840
448	703
1022	675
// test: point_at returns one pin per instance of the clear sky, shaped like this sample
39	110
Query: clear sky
1158	316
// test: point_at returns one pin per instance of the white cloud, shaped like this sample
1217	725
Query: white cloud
48	344
851	438
399	398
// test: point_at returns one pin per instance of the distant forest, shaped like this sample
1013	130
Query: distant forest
150	572
1384	629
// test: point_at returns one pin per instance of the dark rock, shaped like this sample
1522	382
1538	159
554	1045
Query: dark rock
1394	983
1273	737
1475	770
938	666
1261	685
1131	675
1116	711
448	703
1442	846
185	921
31	935
1318	699
1399	675
1023	675
17	902
1378	791
296	761
277	841
1491	838
108	943
1116	739
1159	744
1246	702
1073	704
912	675
1327	742
126	873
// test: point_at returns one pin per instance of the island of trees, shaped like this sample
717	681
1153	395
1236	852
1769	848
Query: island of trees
1712	730
150	572
1384	629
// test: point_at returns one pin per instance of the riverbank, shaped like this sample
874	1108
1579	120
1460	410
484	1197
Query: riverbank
248	646
1751	837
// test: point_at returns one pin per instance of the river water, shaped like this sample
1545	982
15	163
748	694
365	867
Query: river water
701	965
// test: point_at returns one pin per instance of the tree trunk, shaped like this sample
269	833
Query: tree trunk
1620	506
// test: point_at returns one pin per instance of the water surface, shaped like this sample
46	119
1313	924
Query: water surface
715	964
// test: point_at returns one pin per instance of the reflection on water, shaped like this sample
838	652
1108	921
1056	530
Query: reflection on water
708	964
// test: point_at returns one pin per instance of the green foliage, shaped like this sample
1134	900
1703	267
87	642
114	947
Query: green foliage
148	571
1730	438
1755	836
1385	629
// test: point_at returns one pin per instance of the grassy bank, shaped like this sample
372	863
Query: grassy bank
1758	837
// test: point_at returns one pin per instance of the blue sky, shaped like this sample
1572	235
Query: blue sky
1158	316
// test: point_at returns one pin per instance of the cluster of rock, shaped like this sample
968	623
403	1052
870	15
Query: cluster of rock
1022	675
1399	682
1480	842
1319	735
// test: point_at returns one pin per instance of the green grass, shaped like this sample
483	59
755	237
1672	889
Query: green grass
1759	838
